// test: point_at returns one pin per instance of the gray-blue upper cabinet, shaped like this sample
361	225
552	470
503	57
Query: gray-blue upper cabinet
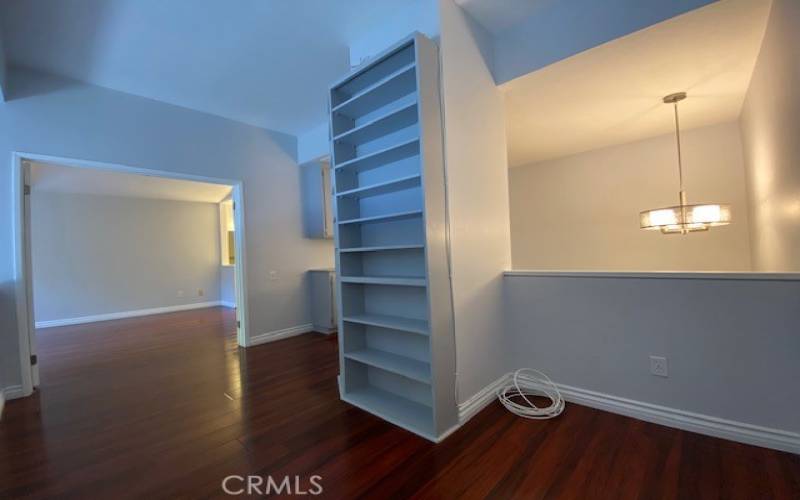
316	193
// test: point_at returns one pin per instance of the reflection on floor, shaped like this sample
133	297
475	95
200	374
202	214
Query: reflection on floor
167	406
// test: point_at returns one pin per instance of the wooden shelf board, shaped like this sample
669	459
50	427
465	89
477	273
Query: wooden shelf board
387	86
409	415
391	186
396	152
384	280
418	326
395	119
400	365
386	248
383	218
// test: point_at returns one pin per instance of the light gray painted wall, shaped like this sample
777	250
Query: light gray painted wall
732	346
770	124
53	116
107	254
227	284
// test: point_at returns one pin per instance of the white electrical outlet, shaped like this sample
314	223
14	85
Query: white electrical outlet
273	275
658	366
180	293
200	292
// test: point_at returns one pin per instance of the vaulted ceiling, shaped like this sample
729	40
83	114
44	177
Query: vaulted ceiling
269	62
263	62
611	94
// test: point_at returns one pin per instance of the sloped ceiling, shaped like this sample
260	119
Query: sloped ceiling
263	62
531	34
611	94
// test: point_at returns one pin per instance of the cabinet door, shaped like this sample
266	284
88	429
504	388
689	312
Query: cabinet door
317	215
321	300
332	285
327	204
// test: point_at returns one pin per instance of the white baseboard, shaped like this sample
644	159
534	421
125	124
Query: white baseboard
225	303
13	392
280	334
479	401
124	314
671	417
9	393
323	330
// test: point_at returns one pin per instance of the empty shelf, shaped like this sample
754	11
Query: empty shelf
401	365
383	218
390	122
419	326
400	184
382	157
408	414
390	88
386	248
384	280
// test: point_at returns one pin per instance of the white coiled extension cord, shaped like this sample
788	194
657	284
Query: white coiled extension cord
529	382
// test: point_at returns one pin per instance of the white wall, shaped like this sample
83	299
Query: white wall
58	117
96	255
732	345
770	125
416	15
477	181
581	212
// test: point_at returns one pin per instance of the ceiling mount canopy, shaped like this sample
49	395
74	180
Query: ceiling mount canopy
684	218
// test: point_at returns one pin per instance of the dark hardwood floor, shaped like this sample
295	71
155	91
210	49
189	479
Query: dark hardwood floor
167	406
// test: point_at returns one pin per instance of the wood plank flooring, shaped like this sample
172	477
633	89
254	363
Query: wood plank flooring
167	406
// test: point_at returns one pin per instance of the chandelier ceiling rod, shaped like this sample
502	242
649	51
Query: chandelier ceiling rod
684	218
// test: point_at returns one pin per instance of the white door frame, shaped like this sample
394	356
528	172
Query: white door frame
23	273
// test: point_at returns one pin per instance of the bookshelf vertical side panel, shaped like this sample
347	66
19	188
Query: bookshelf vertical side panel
442	339
335	159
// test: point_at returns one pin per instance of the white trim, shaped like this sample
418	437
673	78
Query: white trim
21	273
13	392
692	275
446	434
225	303
323	330
124	314
9	393
116	167
479	401
757	435
280	334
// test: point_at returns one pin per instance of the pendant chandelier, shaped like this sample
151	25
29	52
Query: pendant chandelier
684	218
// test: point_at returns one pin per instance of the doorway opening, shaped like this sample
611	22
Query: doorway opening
97	242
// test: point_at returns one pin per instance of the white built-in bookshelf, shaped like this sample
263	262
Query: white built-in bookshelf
396	338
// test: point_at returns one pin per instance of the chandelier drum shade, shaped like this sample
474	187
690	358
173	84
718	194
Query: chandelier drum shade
684	218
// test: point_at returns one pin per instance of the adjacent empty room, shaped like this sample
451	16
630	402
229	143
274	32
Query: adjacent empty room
107	245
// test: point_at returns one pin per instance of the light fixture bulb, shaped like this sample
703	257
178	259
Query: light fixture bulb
684	218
